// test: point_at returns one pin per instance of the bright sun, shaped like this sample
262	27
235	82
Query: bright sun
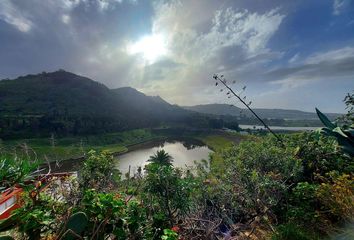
151	47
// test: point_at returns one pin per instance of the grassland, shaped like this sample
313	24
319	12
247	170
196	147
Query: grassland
74	147
220	141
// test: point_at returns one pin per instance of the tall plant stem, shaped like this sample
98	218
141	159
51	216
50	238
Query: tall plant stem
248	107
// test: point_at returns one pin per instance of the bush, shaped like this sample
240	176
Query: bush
109	213
319	155
290	232
167	191
324	197
14	170
300	207
99	171
260	173
337	197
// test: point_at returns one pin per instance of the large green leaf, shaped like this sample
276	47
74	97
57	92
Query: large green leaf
76	223
349	132
325	120
339	131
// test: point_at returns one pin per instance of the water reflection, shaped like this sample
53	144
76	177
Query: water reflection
184	154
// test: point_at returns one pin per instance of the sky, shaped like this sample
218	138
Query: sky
295	54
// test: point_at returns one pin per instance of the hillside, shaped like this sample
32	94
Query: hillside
54	93
225	109
66	103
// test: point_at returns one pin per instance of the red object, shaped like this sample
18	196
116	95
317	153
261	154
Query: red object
9	201
175	229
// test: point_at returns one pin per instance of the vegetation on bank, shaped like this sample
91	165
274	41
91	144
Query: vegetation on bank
299	188
263	190
74	147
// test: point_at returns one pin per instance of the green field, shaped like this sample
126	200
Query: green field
73	147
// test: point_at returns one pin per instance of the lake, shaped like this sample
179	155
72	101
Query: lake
278	128
184	153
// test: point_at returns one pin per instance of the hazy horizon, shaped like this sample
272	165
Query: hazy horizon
290	55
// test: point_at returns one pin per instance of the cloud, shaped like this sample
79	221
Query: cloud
339	6
294	58
250	30
250	43
235	42
76	36
332	64
70	4
11	15
332	55
65	18
160	70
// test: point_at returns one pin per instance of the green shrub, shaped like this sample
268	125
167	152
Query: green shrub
260	173
167	191
108	213
14	170
98	171
319	155
301	207
337	197
169	235
290	232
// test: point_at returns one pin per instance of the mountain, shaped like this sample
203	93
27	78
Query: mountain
152	106
66	103
51	93
225	109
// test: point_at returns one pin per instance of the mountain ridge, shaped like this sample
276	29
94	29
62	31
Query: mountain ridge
64	102
267	113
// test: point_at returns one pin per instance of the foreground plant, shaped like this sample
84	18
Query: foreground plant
345	137
168	192
14	171
99	171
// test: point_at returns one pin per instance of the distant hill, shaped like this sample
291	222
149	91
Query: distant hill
66	103
54	93
225	109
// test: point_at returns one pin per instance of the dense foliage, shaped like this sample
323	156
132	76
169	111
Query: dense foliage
258	189
302	191
14	171
98	171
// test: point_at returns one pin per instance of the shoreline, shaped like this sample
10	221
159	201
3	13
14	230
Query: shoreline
76	161
212	139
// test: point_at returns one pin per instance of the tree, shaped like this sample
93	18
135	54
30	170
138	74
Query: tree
348	118
161	157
